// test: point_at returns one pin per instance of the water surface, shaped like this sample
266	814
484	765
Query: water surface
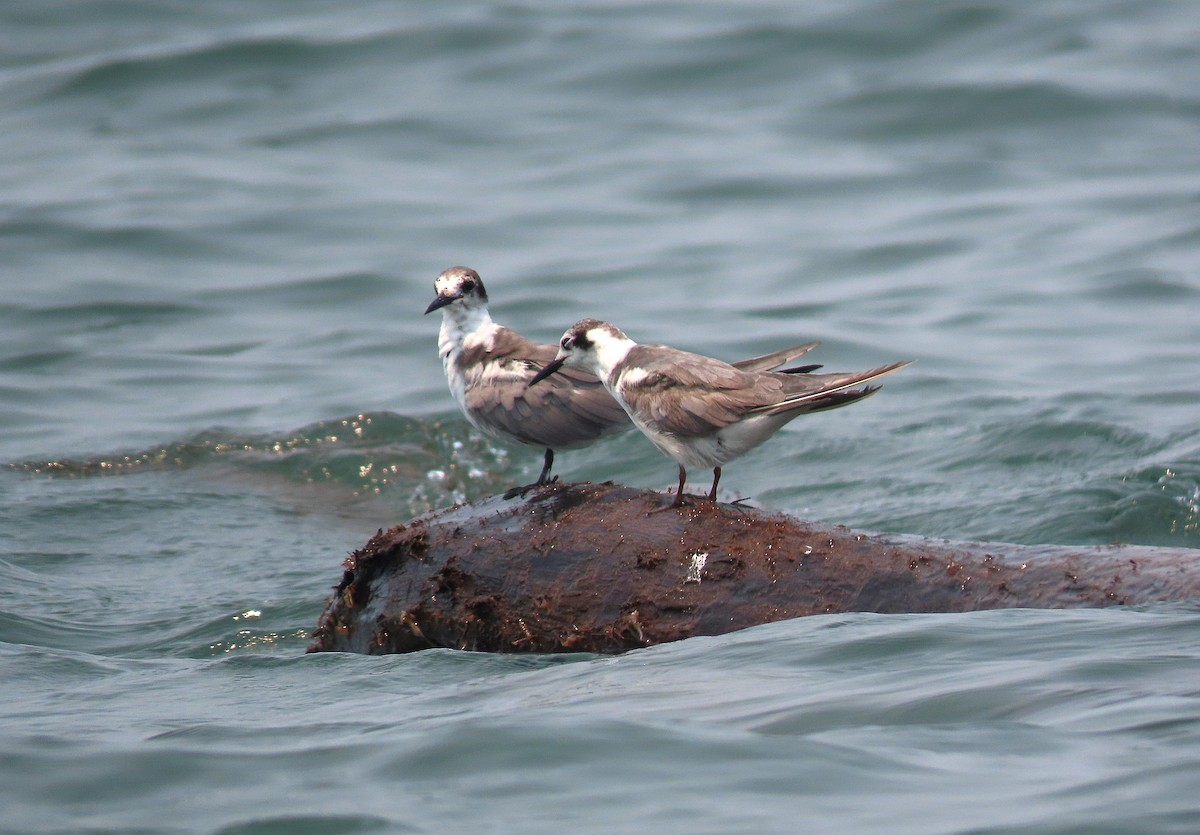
219	227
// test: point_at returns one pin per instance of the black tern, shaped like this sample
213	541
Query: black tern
488	367
700	411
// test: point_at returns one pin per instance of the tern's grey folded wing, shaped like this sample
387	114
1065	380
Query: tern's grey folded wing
556	413
694	395
769	362
661	366
590	400
564	411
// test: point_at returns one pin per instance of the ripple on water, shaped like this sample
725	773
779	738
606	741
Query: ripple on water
431	463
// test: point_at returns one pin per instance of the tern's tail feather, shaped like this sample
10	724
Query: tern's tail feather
819	392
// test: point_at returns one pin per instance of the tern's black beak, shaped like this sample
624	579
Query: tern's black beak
440	301
549	369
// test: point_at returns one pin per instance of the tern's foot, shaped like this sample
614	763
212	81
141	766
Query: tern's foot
513	492
681	500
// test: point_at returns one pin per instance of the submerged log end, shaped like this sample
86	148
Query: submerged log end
605	568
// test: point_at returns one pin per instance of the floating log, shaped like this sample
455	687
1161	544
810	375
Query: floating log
605	568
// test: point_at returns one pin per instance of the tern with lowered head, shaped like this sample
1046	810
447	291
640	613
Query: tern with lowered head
700	411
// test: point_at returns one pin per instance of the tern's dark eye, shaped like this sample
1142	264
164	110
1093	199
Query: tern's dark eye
566	343
468	285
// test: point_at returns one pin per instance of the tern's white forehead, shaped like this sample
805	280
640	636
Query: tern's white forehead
460	281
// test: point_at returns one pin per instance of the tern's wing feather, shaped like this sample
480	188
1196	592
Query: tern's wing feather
692	395
568	409
769	362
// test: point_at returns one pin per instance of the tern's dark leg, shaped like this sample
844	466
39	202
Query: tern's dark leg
712	496
679	493
544	478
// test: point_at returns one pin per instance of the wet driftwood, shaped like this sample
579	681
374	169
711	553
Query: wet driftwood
590	567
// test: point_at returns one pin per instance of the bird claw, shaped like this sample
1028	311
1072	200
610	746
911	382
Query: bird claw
682	500
513	492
